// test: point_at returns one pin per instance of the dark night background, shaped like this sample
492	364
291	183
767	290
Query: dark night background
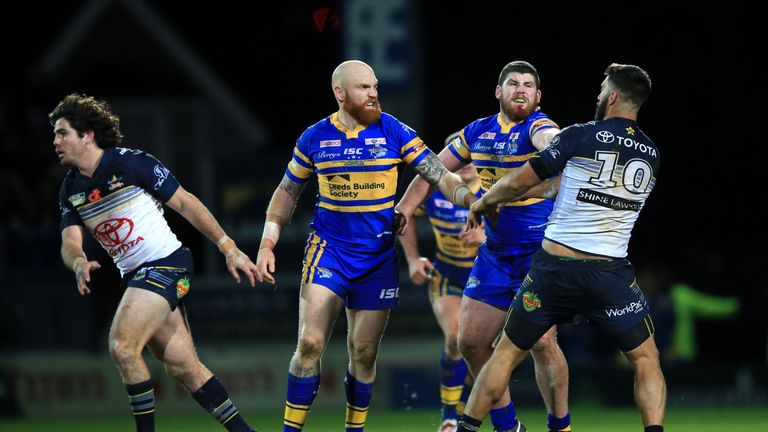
702	225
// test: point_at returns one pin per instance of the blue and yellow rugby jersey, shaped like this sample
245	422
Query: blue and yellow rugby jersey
357	172
495	148
453	260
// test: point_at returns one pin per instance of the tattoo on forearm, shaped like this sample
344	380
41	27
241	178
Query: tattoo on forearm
431	169
292	188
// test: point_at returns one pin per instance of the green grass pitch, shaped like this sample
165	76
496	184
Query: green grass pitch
585	419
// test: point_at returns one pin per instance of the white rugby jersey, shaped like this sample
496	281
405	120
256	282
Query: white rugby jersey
608	170
121	205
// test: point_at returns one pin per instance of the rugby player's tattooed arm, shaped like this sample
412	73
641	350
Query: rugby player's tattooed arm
432	171
279	214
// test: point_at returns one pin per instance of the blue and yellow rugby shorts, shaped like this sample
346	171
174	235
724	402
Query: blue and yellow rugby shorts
366	281
497	275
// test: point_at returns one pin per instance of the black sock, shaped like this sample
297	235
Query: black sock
213	397
468	424
654	428
142	399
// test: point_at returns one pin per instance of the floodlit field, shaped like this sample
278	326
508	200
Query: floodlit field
585	419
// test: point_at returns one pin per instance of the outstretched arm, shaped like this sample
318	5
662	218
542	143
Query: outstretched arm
74	257
435	171
511	187
279	214
197	214
547	189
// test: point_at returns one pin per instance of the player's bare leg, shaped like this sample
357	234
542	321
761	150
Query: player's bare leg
493	381
551	373
447	311
318	309
172	344
140	314
650	387
479	324
366	327
456	381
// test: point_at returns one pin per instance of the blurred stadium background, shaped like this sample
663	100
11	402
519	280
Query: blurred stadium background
220	92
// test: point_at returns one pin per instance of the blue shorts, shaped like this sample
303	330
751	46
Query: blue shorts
441	286
497	275
604	291
169	276
366	281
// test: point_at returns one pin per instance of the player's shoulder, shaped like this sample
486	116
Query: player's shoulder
539	119
127	155
318	129
579	129
390	122
484	125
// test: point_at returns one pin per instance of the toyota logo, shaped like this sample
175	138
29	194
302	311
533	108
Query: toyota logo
605	137
113	232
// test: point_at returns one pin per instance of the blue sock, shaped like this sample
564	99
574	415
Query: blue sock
142	399
504	418
300	394
358	400
559	424
451	385
213	397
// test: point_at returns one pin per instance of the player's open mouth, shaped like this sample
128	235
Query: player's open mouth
520	100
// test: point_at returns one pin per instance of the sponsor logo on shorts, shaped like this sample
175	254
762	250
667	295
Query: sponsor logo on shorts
473	282
634	307
182	287
531	301
141	274
390	293
324	273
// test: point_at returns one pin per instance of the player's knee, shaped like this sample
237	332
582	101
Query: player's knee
546	348
452	345
364	354
310	347
469	348
123	351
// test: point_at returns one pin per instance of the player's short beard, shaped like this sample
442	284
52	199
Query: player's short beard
602	107
362	114
514	114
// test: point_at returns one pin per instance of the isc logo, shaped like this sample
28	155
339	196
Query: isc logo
353	151
390	293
